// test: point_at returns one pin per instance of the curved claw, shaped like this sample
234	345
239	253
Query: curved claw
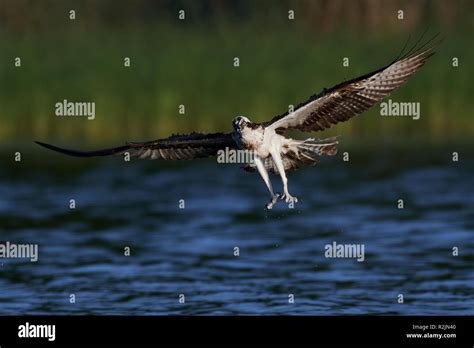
273	201
289	198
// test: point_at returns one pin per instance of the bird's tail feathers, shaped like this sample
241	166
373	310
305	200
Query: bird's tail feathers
311	148
300	153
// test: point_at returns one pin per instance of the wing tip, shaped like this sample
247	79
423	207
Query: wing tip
68	152
48	146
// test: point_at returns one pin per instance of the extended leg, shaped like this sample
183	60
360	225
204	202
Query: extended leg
263	172
279	164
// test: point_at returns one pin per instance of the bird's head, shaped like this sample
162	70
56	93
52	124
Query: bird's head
240	122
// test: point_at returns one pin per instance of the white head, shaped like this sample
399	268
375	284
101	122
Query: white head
240	122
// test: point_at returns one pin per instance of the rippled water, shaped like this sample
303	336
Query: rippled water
191	251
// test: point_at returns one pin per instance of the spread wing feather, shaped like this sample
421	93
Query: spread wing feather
353	97
175	147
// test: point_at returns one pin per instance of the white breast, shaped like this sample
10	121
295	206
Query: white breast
252	138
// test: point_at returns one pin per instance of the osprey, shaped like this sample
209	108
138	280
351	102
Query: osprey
274	152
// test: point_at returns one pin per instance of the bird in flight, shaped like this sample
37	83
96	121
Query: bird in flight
273	152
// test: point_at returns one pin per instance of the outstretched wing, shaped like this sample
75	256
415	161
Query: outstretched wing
176	147
351	98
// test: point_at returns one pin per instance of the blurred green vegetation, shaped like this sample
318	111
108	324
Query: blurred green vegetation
190	62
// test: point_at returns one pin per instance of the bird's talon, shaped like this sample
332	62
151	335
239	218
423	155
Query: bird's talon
289	198
272	202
